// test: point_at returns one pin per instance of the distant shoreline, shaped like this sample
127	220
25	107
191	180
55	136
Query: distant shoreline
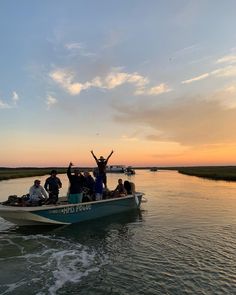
227	173
12	173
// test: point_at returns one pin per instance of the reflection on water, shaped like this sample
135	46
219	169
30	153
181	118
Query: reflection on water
183	241
49	258
84	230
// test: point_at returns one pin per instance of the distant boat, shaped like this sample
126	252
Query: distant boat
153	169
115	168
69	213
129	171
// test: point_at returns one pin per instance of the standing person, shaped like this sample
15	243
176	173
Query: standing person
76	185
37	194
102	163
52	186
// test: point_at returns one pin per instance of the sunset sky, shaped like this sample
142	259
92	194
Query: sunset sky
155	81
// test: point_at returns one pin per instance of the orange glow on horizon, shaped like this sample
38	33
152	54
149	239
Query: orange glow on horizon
217	155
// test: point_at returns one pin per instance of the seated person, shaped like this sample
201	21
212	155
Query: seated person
37	194
128	187
120	190
89	183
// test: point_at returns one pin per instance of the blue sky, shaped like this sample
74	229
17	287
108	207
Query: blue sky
152	80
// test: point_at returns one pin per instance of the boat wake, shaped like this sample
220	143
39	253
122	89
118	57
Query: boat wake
45	264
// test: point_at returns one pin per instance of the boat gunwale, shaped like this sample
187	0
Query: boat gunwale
58	206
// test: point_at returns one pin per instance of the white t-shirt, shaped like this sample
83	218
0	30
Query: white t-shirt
37	193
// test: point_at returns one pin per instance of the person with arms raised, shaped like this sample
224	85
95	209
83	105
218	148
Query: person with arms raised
102	164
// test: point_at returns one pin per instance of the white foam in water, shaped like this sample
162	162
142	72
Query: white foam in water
49	263
71	266
68	265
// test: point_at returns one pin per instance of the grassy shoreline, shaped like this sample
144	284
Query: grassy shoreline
227	173
11	173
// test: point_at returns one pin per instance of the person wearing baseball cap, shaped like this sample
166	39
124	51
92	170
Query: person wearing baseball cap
52	186
37	194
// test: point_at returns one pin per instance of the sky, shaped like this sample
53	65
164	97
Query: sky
153	80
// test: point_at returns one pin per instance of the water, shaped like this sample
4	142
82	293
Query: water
183	241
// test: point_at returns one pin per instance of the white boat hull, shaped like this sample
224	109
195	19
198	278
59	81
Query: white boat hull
69	213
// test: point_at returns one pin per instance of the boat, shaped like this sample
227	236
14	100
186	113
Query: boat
129	171
115	169
153	169
64	213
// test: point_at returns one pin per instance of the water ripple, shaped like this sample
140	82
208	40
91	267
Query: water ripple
49	263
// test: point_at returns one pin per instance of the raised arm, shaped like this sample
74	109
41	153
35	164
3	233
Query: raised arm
110	155
94	156
68	172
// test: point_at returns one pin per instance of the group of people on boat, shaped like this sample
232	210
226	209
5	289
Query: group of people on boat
83	187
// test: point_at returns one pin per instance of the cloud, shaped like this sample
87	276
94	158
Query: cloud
50	101
4	105
129	138
162	88
227	59
226	97
67	80
115	79
12	103
198	78
228	71
231	89
78	48
189	122
15	97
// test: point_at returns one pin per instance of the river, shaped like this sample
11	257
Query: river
182	241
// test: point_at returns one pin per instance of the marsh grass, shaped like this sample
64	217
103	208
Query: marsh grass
10	173
227	173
